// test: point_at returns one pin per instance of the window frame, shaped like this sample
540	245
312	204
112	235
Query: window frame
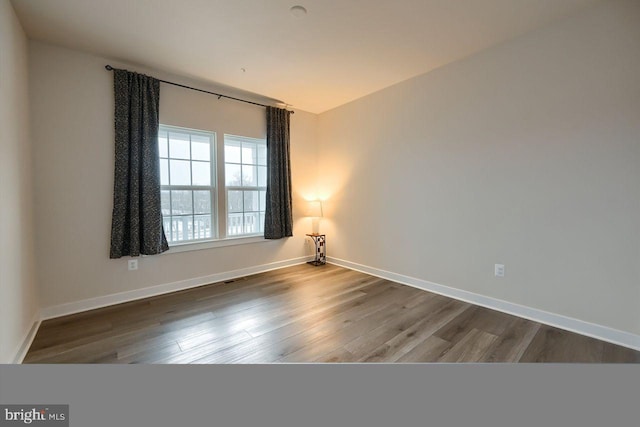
257	188
218	190
212	188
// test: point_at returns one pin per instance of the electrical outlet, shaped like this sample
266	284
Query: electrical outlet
499	270
133	264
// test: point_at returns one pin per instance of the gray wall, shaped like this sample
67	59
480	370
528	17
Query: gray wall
526	154
72	125
18	294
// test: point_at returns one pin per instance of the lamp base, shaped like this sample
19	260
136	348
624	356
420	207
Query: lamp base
316	263
315	225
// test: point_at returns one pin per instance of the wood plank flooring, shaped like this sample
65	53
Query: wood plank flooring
309	314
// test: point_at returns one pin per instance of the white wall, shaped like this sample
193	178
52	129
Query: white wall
72	126
526	154
18	293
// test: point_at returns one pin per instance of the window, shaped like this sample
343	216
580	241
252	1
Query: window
193	209
187	180
245	165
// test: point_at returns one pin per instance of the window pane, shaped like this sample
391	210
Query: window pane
200	148
179	145
232	152
263	198
164	172
232	175
162	144
262	154
202	202
182	227
249	176
261	224
202	227
165	202
201	173
262	176
180	172
181	202
174	230
234	201
251	223
251	203
249	153
234	224
166	224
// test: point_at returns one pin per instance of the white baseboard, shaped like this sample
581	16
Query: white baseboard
28	339
121	297
582	327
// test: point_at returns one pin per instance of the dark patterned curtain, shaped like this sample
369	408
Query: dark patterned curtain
278	221
136	226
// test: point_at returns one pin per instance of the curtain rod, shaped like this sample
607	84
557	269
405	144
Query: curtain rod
219	95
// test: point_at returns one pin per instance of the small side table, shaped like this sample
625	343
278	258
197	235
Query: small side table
321	249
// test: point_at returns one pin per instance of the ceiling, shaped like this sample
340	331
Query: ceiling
339	51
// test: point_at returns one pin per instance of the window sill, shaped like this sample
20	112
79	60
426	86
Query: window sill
219	243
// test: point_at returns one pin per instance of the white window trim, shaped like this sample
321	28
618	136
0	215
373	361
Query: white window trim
219	192
217	243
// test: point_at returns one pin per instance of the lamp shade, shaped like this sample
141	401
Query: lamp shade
314	209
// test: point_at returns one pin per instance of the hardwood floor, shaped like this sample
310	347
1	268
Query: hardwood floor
308	314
